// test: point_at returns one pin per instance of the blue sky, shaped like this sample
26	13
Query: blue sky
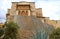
50	8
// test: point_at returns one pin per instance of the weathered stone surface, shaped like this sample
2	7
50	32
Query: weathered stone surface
30	26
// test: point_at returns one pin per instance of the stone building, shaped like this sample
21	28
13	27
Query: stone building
23	9
30	20
1	25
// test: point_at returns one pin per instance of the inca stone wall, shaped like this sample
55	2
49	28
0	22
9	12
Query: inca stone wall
39	12
30	27
30	20
58	24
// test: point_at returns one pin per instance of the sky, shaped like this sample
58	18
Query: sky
50	8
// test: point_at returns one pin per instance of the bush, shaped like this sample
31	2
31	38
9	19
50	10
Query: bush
11	31
1	32
55	34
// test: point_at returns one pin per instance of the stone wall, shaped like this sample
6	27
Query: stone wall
30	27
39	12
58	23
33	25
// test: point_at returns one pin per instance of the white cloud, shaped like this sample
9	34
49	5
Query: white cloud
50	8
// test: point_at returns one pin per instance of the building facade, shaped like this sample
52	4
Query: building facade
28	9
30	20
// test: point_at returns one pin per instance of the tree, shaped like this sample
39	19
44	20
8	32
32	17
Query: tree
55	34
11	31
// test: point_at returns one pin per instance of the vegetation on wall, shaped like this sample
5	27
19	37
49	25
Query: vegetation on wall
10	31
1	32
55	34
